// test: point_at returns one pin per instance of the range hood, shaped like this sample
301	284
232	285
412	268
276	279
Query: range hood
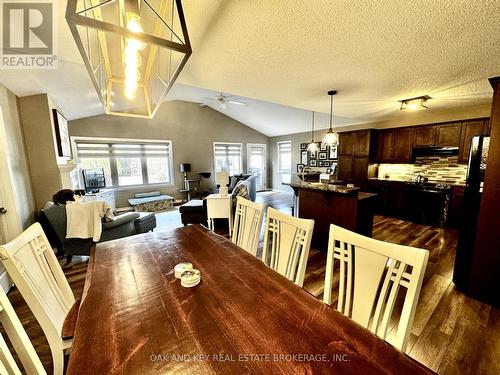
435	151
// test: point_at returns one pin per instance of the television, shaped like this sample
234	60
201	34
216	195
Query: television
94	179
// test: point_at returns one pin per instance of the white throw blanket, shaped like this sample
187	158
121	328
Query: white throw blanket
83	219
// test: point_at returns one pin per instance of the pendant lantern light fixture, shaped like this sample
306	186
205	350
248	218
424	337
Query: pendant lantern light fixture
313	146
133	50
331	138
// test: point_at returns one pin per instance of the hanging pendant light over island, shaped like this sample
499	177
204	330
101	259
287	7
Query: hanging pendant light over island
331	138
313	146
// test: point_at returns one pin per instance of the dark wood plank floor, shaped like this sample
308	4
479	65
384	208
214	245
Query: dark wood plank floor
451	333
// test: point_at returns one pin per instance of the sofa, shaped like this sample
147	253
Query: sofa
195	211
123	225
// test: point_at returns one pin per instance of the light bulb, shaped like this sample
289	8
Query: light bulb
312	147
131	57
331	139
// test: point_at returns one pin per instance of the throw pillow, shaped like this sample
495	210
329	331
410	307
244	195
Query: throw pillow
234	181
239	191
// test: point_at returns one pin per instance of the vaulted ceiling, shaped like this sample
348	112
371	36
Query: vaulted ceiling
283	56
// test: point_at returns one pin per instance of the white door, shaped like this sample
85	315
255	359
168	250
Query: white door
10	223
256	163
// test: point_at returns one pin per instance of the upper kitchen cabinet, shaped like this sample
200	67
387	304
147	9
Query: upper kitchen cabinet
403	145
445	135
448	135
385	145
362	139
395	145
424	136
346	144
469	130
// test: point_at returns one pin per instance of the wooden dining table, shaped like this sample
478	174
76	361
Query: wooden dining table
243	317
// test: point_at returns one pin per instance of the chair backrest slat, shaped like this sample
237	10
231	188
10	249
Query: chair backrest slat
32	265
372	273
247	224
20	341
287	242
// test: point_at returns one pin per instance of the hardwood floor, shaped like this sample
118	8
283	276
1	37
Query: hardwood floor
451	333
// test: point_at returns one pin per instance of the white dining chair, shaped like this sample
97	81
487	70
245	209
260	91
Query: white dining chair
32	265
287	241
247	224
20	341
371	274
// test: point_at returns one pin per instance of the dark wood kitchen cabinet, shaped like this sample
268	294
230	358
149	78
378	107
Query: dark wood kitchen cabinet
448	135
395	145
355	153
346	144
385	145
445	135
469	130
389	196
424	136
345	168
455	206
403	145
362	139
359	169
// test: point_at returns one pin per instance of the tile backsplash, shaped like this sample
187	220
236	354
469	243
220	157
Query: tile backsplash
435	168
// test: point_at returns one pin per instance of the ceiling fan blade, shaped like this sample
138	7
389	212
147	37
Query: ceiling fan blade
236	102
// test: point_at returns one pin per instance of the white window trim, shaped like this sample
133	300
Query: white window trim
282	171
228	143
74	140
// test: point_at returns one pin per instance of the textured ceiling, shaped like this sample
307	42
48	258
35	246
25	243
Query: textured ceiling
292	52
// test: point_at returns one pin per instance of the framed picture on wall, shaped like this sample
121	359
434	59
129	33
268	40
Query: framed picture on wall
62	134
312	154
320	164
323	147
313	162
333	152
322	156
300	167
303	157
303	146
326	163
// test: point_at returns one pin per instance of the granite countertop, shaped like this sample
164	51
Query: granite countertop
340	189
397	180
330	188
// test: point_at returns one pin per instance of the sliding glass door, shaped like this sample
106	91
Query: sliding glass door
256	163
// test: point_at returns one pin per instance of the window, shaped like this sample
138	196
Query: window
227	156
127	163
285	160
285	156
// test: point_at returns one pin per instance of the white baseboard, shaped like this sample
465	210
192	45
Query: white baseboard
5	282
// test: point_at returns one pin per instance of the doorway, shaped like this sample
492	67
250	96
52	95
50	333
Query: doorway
10	223
256	163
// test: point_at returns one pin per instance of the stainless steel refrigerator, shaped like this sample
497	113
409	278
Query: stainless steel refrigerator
478	158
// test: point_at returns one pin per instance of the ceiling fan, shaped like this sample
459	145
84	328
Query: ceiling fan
224	100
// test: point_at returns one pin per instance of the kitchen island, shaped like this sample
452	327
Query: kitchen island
327	204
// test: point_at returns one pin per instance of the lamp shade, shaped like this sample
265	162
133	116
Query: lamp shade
222	178
185	167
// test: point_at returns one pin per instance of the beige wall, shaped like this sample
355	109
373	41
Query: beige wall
38	129
191	128
17	157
